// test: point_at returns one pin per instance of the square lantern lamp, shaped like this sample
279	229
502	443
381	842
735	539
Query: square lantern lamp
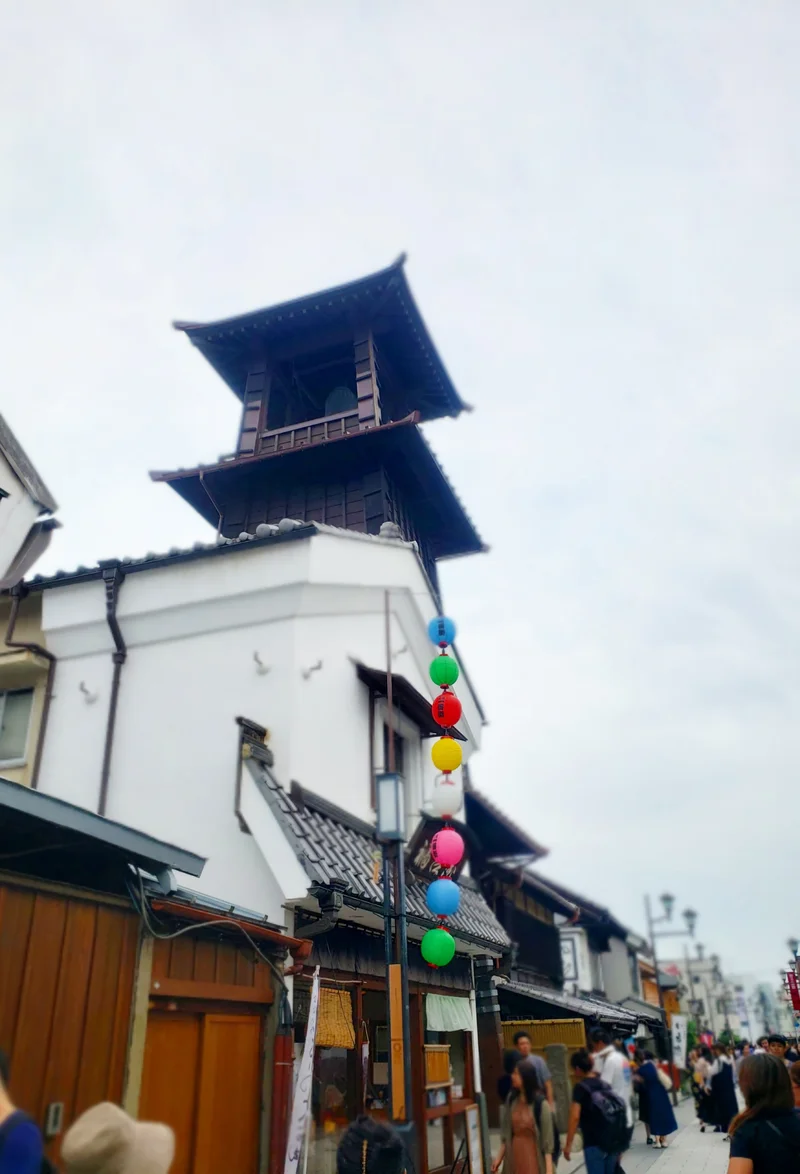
391	807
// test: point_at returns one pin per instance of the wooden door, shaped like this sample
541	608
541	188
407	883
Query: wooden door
229	1107
171	1078
202	1076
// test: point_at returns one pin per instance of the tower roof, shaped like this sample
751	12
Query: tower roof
400	445
384	298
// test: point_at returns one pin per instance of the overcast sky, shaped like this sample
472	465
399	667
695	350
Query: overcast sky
599	203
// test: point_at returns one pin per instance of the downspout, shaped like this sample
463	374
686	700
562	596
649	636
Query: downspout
18	593
112	579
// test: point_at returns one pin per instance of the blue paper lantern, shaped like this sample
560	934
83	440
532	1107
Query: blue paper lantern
442	631
443	897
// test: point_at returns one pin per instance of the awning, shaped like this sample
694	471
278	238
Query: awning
49	834
407	699
586	1007
447	1013
643	1010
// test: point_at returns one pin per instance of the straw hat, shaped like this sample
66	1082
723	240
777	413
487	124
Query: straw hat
104	1140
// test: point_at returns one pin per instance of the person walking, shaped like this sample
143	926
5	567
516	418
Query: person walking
529	1135
661	1117
740	1059
641	1094
614	1068
523	1044
765	1137
370	1147
777	1047
705	1106
21	1146
105	1140
724	1105
600	1114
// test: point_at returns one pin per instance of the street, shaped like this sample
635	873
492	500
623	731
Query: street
689	1152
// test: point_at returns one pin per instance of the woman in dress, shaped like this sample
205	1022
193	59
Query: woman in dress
641	1094
527	1148
724	1106
661	1118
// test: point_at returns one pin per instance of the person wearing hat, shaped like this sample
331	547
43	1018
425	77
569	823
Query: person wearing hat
105	1140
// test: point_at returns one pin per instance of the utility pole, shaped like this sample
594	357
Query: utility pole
690	917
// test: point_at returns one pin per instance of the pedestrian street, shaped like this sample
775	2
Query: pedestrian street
689	1151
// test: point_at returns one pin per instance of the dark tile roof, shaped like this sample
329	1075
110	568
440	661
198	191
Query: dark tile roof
22	465
591	913
227	344
286	531
583	1005
333	845
501	835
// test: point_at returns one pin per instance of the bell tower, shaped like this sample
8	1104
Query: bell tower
333	388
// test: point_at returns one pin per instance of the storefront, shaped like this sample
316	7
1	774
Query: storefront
351	1059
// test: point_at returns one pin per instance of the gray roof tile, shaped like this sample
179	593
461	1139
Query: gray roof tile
337	846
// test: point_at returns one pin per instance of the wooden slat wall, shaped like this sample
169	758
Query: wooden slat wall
66	982
188	967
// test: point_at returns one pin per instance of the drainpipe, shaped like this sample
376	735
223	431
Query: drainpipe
18	593
112	578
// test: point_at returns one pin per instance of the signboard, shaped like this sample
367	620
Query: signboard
301	1106
473	1123
569	959
418	853
741	1010
794	989
679	1041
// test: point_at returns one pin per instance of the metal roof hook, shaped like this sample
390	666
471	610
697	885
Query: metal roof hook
315	668
89	697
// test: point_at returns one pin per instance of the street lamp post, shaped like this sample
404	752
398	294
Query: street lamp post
690	917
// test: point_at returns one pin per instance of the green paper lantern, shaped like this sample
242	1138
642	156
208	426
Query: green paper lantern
444	670
438	947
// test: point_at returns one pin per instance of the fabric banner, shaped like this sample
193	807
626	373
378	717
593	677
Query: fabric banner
741	1010
794	989
679	1041
301	1106
447	1013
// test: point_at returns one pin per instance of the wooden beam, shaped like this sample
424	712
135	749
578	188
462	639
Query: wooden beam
396	1043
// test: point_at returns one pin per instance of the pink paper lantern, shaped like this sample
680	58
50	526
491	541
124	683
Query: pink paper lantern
447	848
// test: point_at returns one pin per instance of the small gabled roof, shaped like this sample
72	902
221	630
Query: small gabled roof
336	848
46	836
22	465
591	913
230	344
501	838
586	1006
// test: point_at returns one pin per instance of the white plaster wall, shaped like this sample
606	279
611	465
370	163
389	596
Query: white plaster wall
616	968
192	630
18	512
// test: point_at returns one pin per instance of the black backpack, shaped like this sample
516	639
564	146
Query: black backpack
537	1111
610	1116
8	1127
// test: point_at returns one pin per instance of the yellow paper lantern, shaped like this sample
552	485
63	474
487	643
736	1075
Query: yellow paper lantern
446	754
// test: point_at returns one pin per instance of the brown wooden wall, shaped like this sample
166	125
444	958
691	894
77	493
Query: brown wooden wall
66	980
189	967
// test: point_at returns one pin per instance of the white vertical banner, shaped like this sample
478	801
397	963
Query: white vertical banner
301	1105
741	1010
679	1041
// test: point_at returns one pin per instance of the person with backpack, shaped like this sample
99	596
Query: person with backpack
765	1137
530	1138
612	1066
21	1146
601	1115
660	1115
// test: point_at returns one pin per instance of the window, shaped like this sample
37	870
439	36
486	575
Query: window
399	756
633	963
15	716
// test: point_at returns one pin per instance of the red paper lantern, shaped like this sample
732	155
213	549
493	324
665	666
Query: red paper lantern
446	709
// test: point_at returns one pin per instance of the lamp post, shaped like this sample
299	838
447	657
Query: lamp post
690	917
391	833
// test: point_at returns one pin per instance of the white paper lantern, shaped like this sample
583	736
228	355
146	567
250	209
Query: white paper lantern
447	797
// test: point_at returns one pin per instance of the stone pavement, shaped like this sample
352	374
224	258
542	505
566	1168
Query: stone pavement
689	1151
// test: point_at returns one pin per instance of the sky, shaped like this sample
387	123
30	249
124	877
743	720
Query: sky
598	202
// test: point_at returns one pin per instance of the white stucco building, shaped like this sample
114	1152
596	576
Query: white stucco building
26	509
